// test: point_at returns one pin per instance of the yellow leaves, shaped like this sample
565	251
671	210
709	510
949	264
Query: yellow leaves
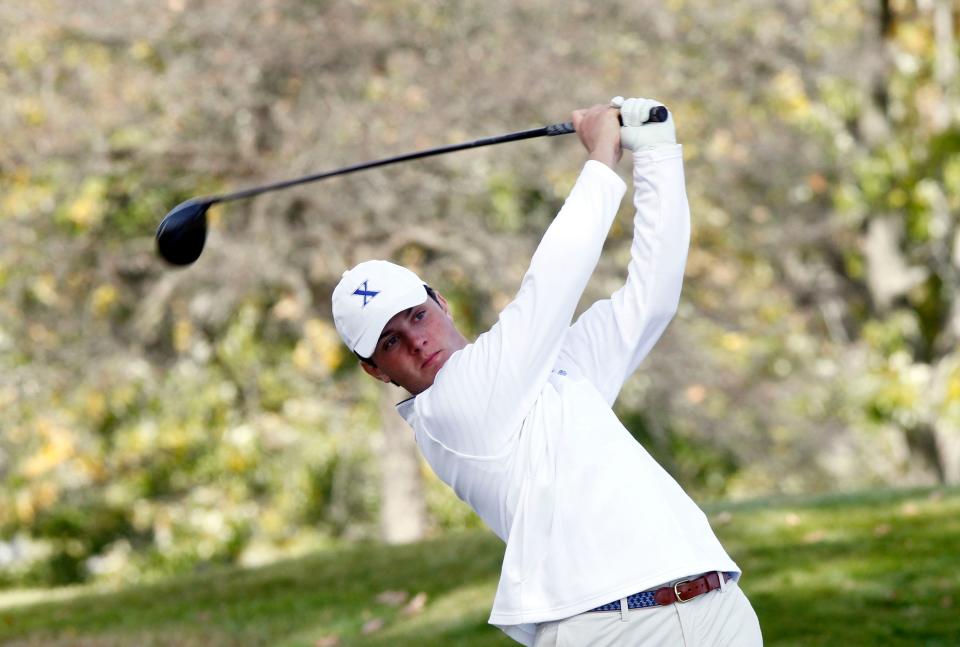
57	446
900	396
103	299
23	504
897	198
182	335
376	89
44	289
26	53
953	388
45	495
319	351
733	342
123	395
87	56
93	468
770	313
94	405
237	462
23	195
30	111
915	38
240	447
141	50
951	181
129	137
89	207
790	96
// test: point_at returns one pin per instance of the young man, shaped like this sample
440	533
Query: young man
602	546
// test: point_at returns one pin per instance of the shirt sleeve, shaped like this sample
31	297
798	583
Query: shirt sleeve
484	391
612	337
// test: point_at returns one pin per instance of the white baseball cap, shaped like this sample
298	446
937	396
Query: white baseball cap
368	296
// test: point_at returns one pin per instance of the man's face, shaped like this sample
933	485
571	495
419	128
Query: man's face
415	344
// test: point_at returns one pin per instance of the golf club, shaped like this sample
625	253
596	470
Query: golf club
183	232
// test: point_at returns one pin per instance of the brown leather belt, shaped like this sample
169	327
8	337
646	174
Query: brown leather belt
682	591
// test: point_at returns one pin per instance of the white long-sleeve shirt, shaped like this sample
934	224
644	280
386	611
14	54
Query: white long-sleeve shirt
519	423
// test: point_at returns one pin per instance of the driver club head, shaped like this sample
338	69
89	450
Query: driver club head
183	231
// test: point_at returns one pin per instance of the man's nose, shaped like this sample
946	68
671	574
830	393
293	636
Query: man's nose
418	342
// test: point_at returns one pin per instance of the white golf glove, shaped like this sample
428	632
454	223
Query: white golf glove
637	135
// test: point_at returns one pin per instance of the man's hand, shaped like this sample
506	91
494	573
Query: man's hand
599	132
638	135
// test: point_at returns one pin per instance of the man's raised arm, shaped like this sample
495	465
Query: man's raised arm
612	337
485	390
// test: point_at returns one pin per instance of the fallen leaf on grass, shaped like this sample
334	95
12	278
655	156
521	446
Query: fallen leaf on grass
814	536
882	529
910	509
392	598
792	519
327	641
415	605
372	626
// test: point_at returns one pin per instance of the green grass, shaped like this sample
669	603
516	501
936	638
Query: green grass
876	568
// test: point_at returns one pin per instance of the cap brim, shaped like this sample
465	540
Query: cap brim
367	342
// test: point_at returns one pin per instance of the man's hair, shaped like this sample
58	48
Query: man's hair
430	293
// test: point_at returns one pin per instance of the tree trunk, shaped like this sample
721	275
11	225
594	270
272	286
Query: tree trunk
922	441
403	509
889	276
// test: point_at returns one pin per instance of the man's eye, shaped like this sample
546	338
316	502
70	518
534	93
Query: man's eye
420	315
388	344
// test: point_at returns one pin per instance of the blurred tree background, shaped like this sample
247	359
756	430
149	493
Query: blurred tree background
156	420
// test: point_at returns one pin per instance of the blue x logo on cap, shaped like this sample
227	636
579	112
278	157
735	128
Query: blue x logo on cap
367	294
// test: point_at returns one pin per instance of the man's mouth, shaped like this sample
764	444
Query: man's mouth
430	360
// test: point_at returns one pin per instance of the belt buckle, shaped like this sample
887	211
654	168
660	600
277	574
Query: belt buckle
677	593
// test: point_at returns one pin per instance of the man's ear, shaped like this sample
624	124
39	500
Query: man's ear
443	304
375	372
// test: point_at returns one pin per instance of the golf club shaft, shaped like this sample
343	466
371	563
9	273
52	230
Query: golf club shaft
547	131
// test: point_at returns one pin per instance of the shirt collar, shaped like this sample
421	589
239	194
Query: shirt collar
405	408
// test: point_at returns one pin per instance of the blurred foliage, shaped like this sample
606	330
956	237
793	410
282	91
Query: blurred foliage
157	420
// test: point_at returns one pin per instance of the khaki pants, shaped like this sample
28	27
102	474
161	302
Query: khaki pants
721	617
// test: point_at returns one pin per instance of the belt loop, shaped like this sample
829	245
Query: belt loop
624	608
723	581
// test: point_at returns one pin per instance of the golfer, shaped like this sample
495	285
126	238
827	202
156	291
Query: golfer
603	547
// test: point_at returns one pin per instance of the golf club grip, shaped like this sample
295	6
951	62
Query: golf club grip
658	114
560	129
